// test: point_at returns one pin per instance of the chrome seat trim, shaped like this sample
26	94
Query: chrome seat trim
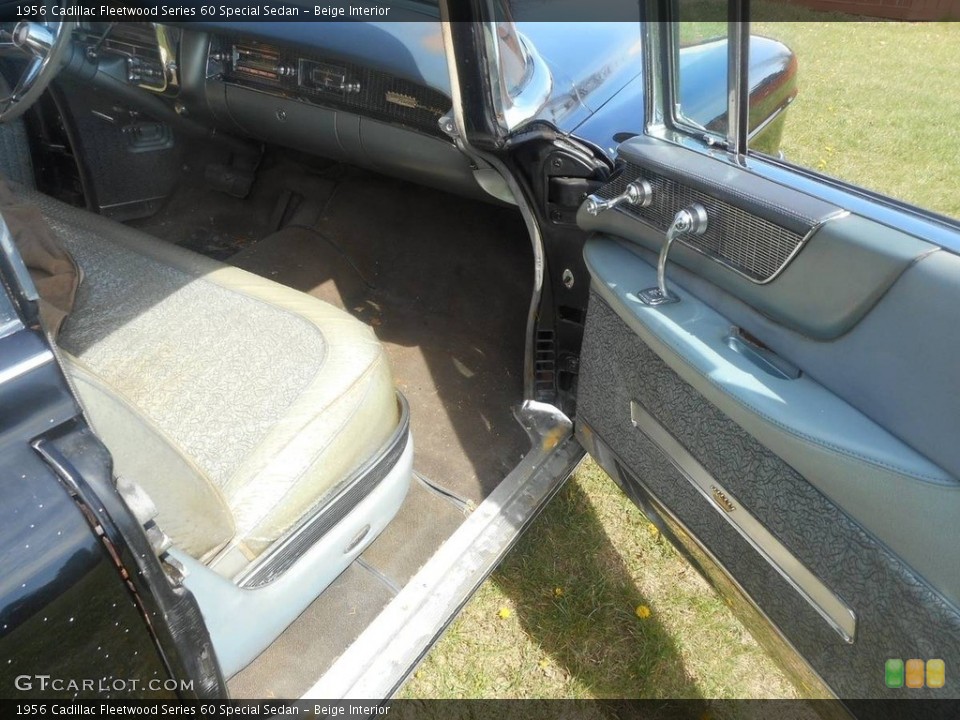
25	366
333	508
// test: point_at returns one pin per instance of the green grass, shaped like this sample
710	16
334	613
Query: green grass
878	102
559	618
878	105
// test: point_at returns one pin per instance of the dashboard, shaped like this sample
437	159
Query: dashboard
314	93
148	50
318	79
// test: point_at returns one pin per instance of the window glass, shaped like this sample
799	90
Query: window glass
877	105
702	66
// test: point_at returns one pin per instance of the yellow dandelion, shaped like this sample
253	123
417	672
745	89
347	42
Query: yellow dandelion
504	613
558	592
544	664
653	530
643	612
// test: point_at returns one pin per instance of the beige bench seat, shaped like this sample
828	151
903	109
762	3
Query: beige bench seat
238	404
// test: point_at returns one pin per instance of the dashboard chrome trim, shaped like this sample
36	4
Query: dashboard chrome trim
167	46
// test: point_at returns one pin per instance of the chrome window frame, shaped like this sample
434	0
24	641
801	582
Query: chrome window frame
664	116
661	82
738	85
515	105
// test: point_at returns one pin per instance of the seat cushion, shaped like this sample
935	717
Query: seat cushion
238	404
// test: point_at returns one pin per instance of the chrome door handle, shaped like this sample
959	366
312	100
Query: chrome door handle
638	193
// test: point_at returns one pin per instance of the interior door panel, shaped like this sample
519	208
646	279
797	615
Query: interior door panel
828	277
845	267
797	426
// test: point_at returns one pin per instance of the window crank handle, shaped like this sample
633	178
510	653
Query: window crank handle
691	220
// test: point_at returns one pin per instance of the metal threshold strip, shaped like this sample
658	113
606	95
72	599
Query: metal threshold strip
831	608
388	650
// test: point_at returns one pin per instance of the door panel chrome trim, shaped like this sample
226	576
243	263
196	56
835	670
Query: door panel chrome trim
831	608
633	212
838	215
901	215
770	636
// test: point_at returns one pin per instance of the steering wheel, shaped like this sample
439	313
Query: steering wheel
45	44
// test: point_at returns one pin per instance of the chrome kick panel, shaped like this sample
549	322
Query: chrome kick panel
830	607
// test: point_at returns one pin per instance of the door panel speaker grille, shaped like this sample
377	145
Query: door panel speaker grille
752	246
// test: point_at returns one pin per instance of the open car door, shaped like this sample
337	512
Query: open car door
788	409
78	568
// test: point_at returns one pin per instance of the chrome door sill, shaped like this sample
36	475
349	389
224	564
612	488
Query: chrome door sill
389	649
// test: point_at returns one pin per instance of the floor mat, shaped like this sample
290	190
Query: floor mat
425	520
304	651
445	282
219	225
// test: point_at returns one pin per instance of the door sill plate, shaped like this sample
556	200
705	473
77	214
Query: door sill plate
389	649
